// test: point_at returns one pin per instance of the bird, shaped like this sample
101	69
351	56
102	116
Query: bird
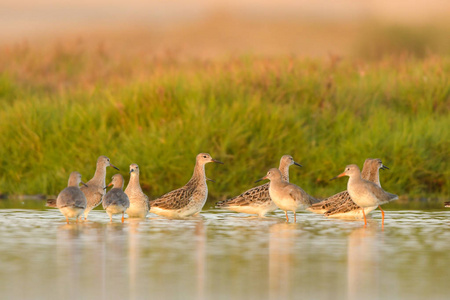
257	200
189	199
287	196
365	193
95	190
71	201
116	201
139	204
446	204
341	204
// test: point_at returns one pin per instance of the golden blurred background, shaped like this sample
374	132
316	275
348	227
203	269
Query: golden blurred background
216	29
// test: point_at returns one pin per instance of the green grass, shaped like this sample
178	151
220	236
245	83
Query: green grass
60	113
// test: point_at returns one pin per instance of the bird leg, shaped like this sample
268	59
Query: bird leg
382	216
123	218
364	214
287	218
67	220
295	217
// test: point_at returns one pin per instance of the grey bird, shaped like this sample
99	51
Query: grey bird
116	201
95	190
139	205
71	200
287	196
341	204
257	200
365	193
189	199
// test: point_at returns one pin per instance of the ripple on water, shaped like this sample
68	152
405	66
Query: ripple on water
224	255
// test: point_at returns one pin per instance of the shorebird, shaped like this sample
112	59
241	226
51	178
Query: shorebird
95	190
116	201
189	199
287	196
365	193
71	200
257	200
341	205
139	205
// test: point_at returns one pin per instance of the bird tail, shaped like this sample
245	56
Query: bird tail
51	203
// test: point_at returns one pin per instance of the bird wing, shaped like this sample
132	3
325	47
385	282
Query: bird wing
331	202
346	206
116	196
255	195
173	200
71	197
379	193
297	194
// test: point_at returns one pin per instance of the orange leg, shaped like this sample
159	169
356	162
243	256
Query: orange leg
287	218
382	216
123	218
364	214
67	220
295	217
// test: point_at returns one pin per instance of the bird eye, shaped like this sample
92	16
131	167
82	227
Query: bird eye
204	156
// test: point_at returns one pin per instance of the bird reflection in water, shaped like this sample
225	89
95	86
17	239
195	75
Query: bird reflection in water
281	259
363	263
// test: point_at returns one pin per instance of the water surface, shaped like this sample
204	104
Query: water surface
224	255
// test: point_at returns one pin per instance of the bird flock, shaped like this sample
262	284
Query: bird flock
364	194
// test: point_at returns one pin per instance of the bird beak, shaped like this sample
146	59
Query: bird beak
383	167
265	177
216	161
209	179
114	166
83	183
340	175
108	186
297	164
132	170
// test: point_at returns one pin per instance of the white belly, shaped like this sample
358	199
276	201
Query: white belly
354	214
71	212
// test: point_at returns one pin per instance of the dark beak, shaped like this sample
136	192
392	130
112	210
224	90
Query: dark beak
84	184
216	161
108	186
297	164
261	179
209	179
132	170
335	177
383	167
114	166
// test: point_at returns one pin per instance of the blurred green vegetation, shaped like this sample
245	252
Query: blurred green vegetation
63	108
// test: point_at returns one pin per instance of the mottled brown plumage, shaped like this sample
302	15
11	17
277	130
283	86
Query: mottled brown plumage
139	204
257	200
189	199
341	204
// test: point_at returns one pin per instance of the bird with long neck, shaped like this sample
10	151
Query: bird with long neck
257	200
116	201
365	193
71	200
341	205
95	190
189	199
139	204
287	196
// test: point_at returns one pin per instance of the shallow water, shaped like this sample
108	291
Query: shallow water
223	255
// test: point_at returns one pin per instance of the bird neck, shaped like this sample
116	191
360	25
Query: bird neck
284	169
198	175
134	181
100	175
73	182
